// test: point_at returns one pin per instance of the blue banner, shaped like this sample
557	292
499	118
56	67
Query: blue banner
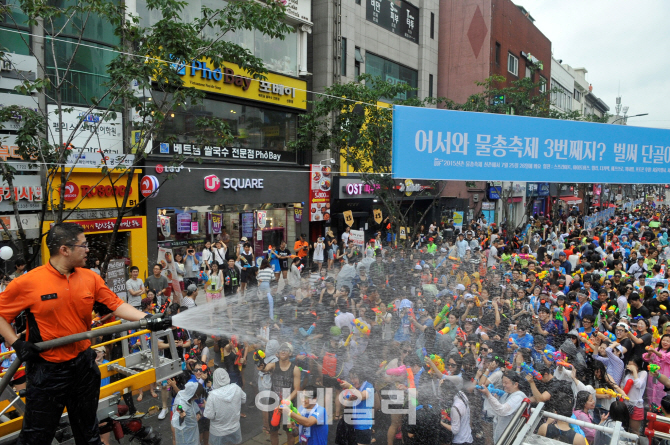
444	144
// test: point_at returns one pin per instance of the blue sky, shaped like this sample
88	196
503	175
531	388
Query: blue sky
623	44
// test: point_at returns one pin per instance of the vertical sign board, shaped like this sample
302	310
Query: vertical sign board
397	16
458	145
116	277
319	193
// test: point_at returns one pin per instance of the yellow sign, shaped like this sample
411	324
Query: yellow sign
93	190
403	234
231	80
458	218
377	213
348	217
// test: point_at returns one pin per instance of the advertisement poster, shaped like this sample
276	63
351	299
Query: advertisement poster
319	193
261	218
165	225
458	220
217	223
248	225
297	214
183	222
116	277
165	259
194	227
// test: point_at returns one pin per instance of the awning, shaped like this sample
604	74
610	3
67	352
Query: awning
571	199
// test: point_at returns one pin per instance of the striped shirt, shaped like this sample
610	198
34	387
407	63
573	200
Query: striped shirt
265	275
614	365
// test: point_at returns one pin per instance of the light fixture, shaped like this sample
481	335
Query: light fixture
171	114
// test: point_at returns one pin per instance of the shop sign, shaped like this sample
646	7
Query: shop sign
29	221
377	214
228	153
214	183
408	187
248	225
495	191
348	217
9	152
183	222
92	133
194	227
299	9
359	188
80	159
231	80
397	16
357	237
7	99
116	277
149	186
92	190
488	205
15	69
537	189
458	220
319	192
261	218
106	225
297	214
27	193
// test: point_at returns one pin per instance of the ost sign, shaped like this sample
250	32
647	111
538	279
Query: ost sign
72	191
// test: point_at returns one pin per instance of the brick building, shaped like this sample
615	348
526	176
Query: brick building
480	38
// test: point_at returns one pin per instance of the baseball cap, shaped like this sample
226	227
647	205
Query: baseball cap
191	289
286	346
244	238
460	287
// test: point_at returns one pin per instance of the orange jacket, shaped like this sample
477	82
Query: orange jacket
56	306
298	248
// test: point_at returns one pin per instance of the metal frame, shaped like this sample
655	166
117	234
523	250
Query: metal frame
134	368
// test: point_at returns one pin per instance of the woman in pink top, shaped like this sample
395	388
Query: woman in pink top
659	356
585	403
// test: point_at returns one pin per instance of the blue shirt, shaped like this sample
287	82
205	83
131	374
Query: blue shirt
316	434
402	334
362	415
525	342
586	309
537	356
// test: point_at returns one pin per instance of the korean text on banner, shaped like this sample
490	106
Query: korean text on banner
357	237
116	277
444	144
319	193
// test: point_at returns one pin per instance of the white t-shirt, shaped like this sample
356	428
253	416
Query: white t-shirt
134	285
345	238
493	253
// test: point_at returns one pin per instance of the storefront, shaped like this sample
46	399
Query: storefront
351	193
205	203
92	201
538	192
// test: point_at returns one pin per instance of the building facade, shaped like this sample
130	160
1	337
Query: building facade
481	38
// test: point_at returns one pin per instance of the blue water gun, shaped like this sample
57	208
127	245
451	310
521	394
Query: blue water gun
493	390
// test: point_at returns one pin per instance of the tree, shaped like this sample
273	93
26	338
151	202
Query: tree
354	122
143	77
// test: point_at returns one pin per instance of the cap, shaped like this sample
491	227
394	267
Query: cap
244	238
286	346
460	287
418	267
191	289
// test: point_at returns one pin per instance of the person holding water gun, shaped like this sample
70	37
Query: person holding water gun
311	418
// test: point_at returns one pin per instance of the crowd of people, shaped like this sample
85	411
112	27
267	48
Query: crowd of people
434	344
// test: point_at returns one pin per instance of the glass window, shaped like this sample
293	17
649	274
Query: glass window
15	42
97	28
529	73
343	58
430	85
391	72
16	17
280	56
88	70
432	25
543	85
252	127
512	64
497	53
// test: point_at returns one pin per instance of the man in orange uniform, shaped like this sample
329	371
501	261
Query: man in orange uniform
301	248
58	300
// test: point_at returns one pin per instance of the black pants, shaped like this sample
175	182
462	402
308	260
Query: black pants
74	385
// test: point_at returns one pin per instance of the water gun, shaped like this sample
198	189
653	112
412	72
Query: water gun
445	330
361	327
95	322
443	313
411	385
337	312
655	409
493	390
445	415
527	369
564	364
559	314
654	368
276	415
568	311
654	334
585	336
629	385
312	356
302	370
510	342
238	351
259	357
477	302
501	361
400	370
610	392
391	307
554	356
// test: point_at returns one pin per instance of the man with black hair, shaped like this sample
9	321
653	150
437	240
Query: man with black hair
58	298
311	418
636	307
548	387
361	413
19	268
157	282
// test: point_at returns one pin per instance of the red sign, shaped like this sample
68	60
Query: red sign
105	225
319	192
159	168
149	186
212	183
71	191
